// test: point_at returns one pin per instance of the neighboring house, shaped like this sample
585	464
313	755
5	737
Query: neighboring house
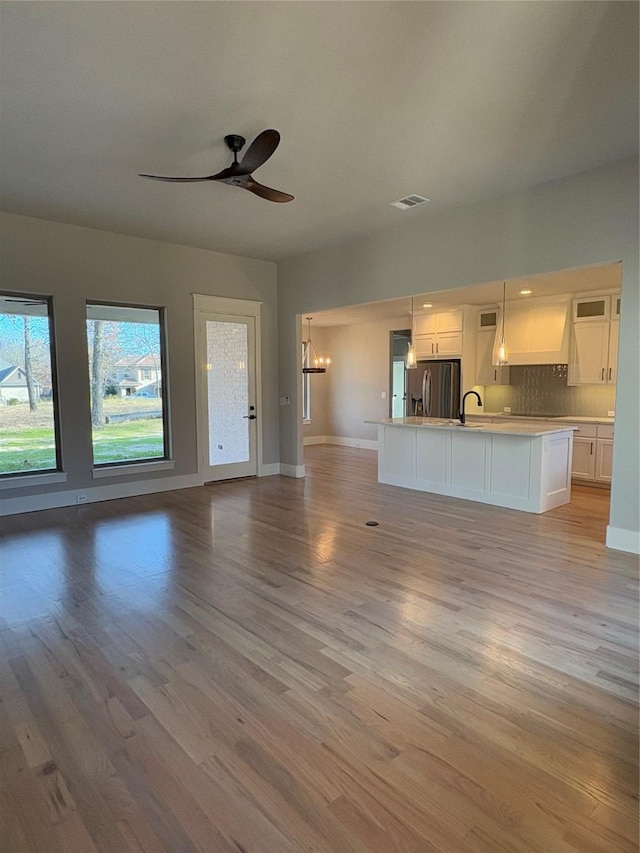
13	384
135	373
151	389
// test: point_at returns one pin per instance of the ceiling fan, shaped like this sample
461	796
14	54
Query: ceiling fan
239	174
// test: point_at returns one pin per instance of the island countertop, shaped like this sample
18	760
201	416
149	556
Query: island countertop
519	466
528	429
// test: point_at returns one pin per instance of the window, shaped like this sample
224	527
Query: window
29	434
306	385
128	415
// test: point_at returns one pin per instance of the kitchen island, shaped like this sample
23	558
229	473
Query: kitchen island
518	466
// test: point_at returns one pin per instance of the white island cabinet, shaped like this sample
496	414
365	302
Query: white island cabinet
524	467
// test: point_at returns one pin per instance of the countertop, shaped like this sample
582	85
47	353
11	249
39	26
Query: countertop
574	419
499	429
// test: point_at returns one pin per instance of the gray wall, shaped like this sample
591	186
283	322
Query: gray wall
78	264
320	384
583	220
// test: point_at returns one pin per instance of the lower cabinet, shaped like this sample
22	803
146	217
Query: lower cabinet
592	453
583	466
592	450
604	458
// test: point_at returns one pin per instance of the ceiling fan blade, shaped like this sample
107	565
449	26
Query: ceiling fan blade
259	151
267	192
225	173
178	180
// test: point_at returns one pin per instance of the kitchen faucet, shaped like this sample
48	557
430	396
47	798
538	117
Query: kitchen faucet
461	414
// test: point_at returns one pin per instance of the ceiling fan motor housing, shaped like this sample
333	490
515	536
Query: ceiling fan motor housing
234	142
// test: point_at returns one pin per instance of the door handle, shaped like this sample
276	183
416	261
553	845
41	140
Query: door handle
249	417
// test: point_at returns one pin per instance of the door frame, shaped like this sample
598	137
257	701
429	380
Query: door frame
231	307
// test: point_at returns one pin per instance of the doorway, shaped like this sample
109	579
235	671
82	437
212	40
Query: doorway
398	349
228	411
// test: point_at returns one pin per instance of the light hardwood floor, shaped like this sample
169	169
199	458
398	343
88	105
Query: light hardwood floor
248	668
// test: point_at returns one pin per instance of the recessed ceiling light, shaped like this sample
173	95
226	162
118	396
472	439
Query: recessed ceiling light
427	304
525	292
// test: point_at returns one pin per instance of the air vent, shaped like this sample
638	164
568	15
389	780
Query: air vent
409	201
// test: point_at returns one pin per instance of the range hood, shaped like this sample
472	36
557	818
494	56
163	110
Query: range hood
537	330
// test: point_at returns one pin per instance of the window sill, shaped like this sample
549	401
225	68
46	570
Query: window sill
141	468
25	480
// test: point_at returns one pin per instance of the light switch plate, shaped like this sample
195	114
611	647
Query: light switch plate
611	414
507	409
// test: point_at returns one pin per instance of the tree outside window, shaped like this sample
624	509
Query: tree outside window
29	434
126	379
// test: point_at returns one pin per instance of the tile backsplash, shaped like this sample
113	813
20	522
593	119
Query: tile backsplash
541	389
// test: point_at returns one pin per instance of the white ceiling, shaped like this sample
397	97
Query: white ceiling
457	101
584	280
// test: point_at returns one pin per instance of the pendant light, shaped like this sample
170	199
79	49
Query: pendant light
502	352
410	359
319	364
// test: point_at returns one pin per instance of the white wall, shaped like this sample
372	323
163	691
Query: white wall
78	264
587	219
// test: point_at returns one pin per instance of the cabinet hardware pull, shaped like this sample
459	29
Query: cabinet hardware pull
495	375
610	372
603	374
591	453
437	345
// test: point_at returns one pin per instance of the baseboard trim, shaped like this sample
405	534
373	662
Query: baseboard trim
314	439
623	540
269	469
292	470
55	500
362	443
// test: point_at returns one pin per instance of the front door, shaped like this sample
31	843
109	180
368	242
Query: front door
228	409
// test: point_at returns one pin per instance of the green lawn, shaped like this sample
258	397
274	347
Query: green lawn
128	440
27	439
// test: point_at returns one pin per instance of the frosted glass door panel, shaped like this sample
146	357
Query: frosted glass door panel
228	392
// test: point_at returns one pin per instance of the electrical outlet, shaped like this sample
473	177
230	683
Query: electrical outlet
507	409
285	401
611	414
383	394
81	499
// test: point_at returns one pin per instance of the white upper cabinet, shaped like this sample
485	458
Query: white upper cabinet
487	373
589	353
445	321
594	341
449	321
614	334
438	335
590	308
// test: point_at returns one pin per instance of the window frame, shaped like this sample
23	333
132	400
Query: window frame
101	469
51	474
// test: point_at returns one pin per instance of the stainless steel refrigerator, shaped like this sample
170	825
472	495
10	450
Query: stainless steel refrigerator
433	389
